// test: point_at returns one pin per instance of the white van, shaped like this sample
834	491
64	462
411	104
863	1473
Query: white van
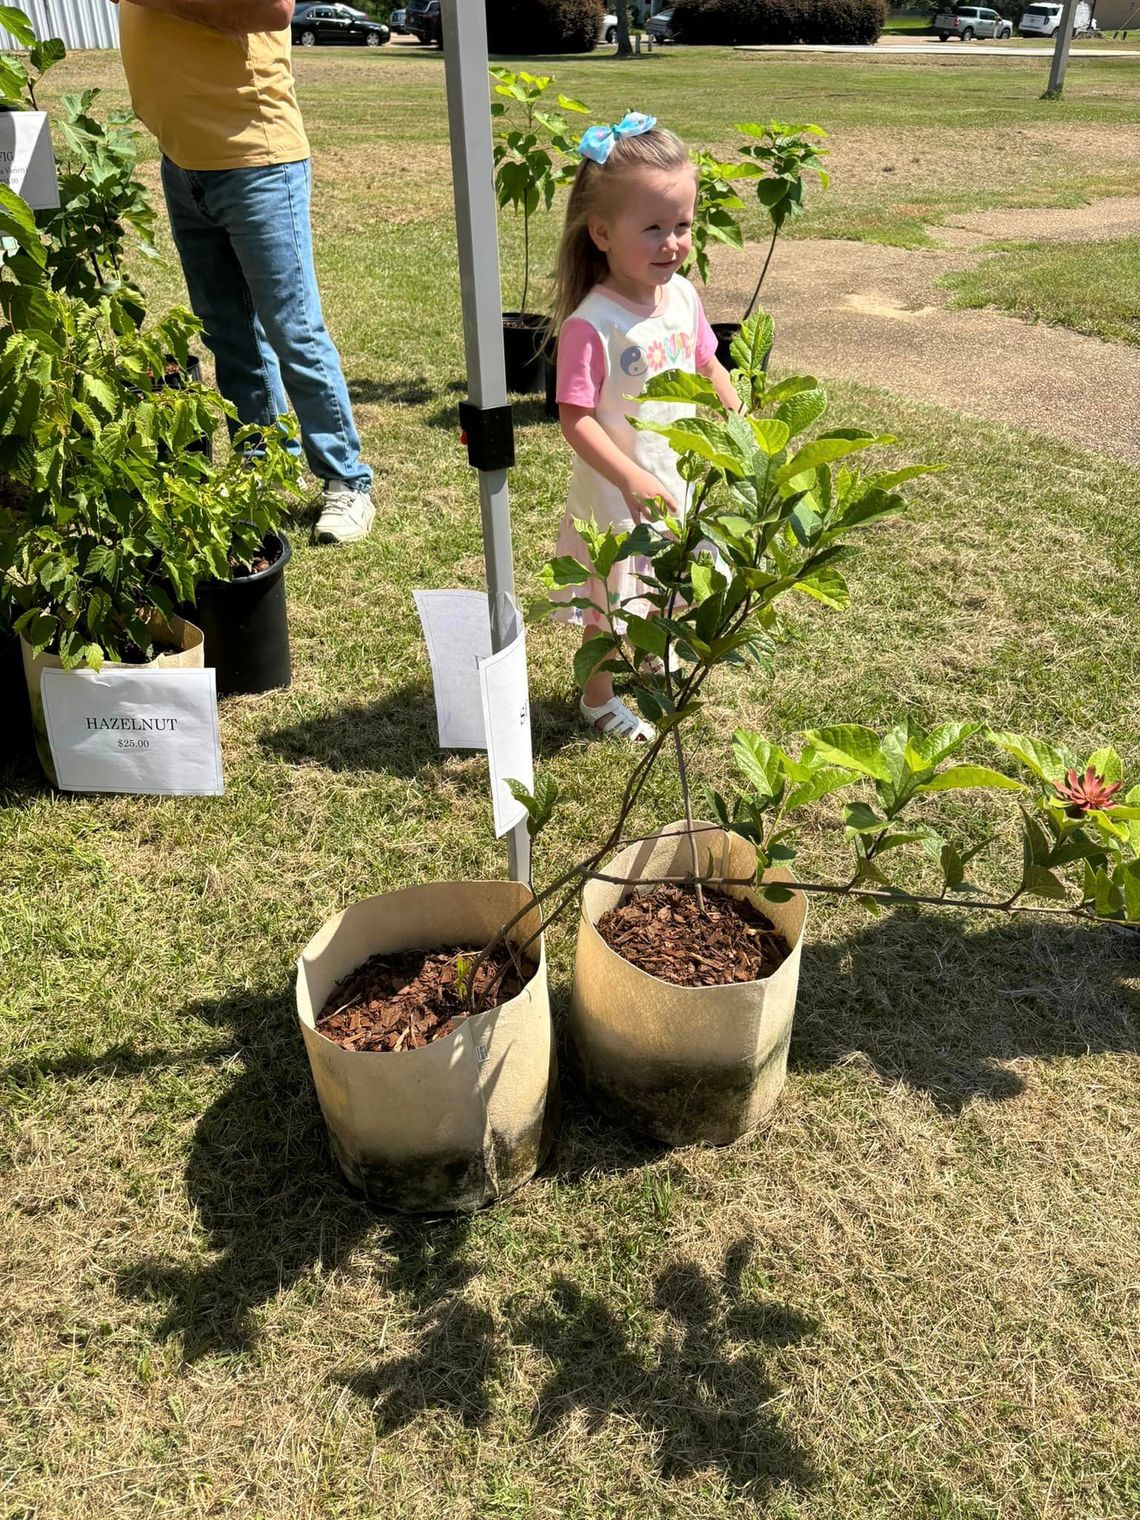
1043	18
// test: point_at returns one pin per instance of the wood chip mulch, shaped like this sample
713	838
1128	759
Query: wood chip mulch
407	1000
664	933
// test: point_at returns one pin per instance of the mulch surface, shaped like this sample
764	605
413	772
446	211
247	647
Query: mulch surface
407	1000
664	932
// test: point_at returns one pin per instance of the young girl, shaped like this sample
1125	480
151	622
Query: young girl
623	313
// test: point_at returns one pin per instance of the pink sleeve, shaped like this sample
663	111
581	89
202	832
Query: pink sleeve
706	338
581	364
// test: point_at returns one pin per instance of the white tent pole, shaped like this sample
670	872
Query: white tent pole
485	417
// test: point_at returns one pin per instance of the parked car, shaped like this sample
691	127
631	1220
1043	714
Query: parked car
341	24
969	21
1044	20
398	22
660	27
424	21
608	32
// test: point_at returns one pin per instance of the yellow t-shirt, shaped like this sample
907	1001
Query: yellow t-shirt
214	101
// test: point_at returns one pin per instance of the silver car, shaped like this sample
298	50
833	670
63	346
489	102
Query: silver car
969	21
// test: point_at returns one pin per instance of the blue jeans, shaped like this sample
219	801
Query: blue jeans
246	247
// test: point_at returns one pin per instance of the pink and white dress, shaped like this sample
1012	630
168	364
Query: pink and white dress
607	351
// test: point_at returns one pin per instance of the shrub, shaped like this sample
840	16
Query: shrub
543	26
728	22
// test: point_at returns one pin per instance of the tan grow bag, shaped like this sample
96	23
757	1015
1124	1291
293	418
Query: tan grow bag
189	654
465	1119
686	1065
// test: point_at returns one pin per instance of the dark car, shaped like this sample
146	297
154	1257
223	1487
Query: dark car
660	27
424	21
337	23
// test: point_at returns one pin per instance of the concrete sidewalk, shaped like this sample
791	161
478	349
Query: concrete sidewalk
858	311
883	49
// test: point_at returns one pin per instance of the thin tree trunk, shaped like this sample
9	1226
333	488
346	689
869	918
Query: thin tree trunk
763	272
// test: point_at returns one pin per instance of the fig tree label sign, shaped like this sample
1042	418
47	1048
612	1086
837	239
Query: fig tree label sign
27	164
148	731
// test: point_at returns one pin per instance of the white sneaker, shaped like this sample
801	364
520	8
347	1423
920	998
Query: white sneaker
346	515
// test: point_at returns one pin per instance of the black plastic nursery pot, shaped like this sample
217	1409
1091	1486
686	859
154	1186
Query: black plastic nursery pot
16	730
524	345
246	624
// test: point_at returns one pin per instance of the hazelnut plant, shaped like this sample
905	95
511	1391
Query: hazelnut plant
774	509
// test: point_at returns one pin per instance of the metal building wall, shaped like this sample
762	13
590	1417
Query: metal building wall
81	23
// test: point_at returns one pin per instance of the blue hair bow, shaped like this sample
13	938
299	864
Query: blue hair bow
598	142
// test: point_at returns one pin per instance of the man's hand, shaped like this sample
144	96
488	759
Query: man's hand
237	17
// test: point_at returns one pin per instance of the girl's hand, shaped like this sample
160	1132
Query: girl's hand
641	488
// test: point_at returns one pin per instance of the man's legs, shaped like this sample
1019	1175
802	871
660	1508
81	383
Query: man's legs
263	216
247	369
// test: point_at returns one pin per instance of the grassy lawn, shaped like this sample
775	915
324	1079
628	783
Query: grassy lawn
913	1296
1090	287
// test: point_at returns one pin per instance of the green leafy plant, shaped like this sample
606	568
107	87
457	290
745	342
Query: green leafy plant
776	506
108	519
783	155
102	201
19	78
534	151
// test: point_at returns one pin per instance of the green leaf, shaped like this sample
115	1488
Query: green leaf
568	103
1107	764
826	586
709	438
753	343
563	571
1046	763
539	804
678	385
760	762
850	746
45	55
771	433
1042	883
17	23
646	634
593	655
859	818
825	451
801	410
963	777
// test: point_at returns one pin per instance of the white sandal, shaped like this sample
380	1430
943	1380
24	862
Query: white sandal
625	723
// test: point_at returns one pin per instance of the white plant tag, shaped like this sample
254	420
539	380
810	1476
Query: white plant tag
148	731
27	163
506	719
457	631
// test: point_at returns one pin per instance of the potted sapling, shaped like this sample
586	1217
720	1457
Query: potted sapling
534	153
689	934
108	522
432	1061
776	159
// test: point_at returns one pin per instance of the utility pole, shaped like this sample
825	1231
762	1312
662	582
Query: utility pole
1061	52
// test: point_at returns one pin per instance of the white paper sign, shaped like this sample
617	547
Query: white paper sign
146	731
27	163
506	719
457	631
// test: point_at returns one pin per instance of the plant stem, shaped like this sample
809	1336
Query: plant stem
763	272
684	774
1007	905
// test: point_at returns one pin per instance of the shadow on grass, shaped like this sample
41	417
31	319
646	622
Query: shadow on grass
700	1384
940	1004
398	735
262	1183
364	392
525	412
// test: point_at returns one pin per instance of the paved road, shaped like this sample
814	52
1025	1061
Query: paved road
935	49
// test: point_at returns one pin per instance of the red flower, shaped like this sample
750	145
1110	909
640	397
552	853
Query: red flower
1084	793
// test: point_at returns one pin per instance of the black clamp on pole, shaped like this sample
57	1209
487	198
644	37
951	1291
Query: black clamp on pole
489	434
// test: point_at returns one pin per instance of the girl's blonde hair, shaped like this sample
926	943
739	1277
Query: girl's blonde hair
581	264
